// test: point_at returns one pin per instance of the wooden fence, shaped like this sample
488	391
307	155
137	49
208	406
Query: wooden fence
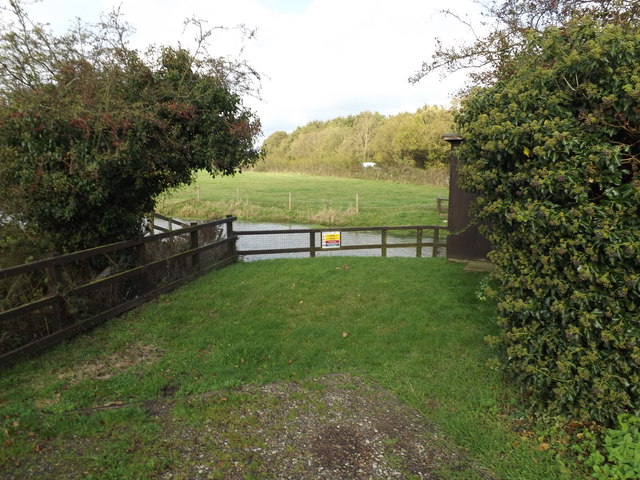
45	302
170	224
433	242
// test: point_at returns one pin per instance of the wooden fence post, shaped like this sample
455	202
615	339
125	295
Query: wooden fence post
384	243
195	258
419	242
439	202
54	274
436	240
141	261
312	244
232	250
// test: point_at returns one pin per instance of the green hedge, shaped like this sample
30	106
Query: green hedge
552	149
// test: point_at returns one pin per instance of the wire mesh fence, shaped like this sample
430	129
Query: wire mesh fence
70	293
268	241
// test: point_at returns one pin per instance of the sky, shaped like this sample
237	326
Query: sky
318	59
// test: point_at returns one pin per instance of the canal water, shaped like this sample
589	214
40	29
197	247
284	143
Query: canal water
301	240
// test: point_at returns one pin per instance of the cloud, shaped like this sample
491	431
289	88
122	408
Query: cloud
320	58
342	57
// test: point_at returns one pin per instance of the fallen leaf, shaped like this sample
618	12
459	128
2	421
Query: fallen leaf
345	334
544	447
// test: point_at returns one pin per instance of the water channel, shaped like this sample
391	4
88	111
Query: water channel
301	240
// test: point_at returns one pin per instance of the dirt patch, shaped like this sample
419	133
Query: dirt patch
104	367
101	368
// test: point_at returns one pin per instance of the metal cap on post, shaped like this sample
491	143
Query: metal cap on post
453	139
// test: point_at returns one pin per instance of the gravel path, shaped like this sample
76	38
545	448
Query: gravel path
333	427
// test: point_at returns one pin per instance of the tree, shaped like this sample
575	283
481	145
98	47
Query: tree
92	132
418	141
508	23
340	145
363	129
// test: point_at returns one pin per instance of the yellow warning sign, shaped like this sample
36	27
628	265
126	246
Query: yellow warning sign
330	239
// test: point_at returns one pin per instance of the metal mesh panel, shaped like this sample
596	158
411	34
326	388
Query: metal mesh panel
279	241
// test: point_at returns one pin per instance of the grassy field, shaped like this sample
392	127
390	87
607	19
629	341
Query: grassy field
414	326
317	201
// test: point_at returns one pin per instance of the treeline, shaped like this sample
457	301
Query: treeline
407	146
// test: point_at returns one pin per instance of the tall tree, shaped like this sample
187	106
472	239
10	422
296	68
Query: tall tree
363	129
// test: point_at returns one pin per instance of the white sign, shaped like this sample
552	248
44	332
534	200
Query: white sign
330	239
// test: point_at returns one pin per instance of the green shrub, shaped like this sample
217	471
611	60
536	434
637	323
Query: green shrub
553	151
621	459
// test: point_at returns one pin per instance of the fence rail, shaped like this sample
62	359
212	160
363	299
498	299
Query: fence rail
314	243
78	291
171	224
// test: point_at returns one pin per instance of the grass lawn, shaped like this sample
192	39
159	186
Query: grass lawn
321	201
414	326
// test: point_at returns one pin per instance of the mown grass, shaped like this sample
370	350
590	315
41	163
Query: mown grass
413	325
321	201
